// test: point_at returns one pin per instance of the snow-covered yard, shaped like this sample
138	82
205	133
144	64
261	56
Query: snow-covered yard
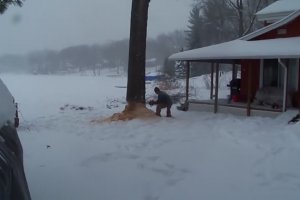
193	156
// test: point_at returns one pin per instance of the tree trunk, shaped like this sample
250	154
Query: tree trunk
240	7
137	52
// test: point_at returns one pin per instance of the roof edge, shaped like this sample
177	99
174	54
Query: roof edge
273	16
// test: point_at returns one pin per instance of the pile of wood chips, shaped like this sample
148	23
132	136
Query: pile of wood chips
131	111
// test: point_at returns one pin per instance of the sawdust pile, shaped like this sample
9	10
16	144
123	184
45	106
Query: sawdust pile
132	111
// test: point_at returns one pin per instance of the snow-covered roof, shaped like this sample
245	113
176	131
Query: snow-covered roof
242	49
278	10
7	107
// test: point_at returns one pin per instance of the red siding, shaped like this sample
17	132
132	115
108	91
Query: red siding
296	97
292	30
299	77
245	65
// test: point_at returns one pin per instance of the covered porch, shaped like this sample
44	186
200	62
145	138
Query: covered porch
250	56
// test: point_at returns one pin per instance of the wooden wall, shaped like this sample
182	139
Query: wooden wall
299	78
245	68
292	30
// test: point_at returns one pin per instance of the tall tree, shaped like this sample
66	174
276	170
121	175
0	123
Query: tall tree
4	4
194	28
218	21
137	52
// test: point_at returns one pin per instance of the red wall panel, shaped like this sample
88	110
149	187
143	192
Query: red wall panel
292	30
255	67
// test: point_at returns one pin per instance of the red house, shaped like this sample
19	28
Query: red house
268	60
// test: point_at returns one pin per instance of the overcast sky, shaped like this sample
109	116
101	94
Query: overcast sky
55	24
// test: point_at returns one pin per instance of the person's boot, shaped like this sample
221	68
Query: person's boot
169	111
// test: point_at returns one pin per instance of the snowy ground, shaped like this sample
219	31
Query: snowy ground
193	156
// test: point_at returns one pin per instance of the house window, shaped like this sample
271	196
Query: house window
272	74
282	31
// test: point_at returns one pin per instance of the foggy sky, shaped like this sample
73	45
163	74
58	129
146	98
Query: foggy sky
56	24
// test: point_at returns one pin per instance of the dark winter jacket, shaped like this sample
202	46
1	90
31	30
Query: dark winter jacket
164	98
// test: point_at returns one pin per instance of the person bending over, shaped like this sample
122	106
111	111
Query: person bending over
163	101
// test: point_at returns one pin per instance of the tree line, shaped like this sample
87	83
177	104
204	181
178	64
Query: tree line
92	57
209	22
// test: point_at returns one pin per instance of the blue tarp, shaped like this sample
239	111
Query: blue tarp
154	77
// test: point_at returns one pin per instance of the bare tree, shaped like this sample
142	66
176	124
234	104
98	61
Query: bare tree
245	10
241	15
238	6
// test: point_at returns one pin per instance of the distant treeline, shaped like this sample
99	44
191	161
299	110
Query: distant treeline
209	22
92	57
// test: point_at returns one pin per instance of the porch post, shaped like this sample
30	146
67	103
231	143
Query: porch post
261	73
217	89
284	84
249	90
212	81
187	82
234	75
